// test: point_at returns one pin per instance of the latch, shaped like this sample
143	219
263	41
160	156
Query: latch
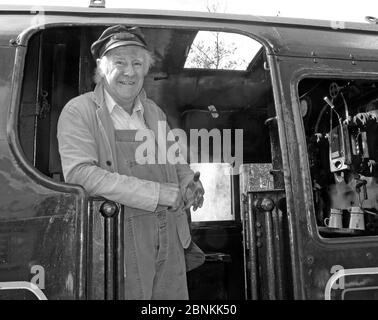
97	4
372	20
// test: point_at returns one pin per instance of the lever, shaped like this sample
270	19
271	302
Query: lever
329	102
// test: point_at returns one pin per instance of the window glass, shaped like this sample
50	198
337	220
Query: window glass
216	180
341	128
221	50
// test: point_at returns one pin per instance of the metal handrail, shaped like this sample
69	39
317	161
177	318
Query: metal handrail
114	249
17	285
346	272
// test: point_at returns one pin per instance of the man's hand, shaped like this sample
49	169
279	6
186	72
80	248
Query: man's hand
194	193
170	196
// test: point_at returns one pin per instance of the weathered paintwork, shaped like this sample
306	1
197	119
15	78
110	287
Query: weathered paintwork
45	223
43	227
6	66
294	37
314	256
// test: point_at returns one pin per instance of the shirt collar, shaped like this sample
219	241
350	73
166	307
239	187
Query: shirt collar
110	103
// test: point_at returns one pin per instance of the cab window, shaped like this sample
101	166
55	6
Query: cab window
340	118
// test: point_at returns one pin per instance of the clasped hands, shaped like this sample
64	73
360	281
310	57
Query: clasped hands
170	195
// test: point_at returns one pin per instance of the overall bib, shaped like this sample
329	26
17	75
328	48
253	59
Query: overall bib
154	256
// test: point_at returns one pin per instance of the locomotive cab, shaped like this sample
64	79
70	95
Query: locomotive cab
231	105
282	117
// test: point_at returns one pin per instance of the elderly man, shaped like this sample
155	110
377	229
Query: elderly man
96	135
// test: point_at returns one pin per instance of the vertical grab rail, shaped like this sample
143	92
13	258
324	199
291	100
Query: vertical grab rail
267	205
245	234
109	210
252	249
120	249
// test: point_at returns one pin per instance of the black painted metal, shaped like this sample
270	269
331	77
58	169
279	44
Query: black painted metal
252	255
29	196
270	254
245	234
277	218
268	261
119	250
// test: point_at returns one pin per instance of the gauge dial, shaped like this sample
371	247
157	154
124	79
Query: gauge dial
304	107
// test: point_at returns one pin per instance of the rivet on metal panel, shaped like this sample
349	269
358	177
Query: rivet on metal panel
258	244
310	260
313	54
352	58
258	224
369	255
258	234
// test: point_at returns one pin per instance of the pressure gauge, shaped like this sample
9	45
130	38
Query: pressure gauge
303	105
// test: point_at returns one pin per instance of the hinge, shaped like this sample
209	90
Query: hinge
43	107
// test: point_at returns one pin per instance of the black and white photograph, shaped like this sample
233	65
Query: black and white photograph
189	155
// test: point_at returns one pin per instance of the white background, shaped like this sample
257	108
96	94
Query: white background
343	10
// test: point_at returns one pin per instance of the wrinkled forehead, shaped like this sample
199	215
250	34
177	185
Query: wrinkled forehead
127	52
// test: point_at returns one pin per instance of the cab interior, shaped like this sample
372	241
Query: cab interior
59	66
341	125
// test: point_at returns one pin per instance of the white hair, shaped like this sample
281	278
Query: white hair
103	64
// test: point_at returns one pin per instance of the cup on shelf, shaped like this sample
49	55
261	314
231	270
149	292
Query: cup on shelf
356	220
335	220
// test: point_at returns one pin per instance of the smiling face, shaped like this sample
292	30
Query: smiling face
123	70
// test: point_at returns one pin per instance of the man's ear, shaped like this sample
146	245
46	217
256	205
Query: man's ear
101	66
98	62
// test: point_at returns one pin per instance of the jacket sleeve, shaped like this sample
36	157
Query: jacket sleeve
80	164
